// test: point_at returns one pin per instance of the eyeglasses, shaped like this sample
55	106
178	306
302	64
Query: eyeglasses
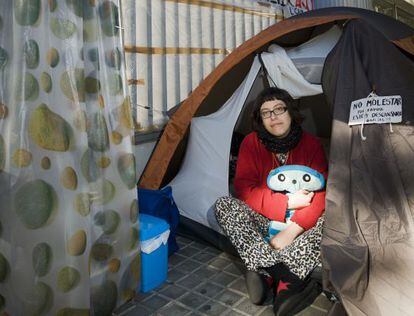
276	111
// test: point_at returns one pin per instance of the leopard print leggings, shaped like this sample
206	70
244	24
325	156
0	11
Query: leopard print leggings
246	229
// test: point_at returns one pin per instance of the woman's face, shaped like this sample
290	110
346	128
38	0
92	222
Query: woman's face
276	118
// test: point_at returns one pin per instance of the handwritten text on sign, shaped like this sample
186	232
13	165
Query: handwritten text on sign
377	110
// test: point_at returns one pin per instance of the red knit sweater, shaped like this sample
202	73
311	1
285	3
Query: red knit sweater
253	166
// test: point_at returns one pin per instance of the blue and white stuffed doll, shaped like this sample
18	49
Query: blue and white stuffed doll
290	179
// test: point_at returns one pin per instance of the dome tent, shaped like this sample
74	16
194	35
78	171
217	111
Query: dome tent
210	94
369	193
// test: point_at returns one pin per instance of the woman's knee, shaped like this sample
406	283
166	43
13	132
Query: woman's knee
222	206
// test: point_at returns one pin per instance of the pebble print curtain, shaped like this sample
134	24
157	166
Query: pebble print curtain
68	209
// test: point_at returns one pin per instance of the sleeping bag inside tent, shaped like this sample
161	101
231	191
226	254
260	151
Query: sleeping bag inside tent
370	189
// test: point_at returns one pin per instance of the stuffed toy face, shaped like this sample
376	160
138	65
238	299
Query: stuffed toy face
292	178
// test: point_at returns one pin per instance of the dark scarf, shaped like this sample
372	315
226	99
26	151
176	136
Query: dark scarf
280	145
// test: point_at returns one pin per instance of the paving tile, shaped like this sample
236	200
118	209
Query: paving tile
235	269
125	308
155	302
204	257
162	287
213	308
188	266
189	251
239	285
229	256
240	264
268	311
183	240
235	313
208	289
199	245
174	275
214	251
195	313
173	291
193	300
174	309
322	302
139	310
206	271
219	263
223	278
247	307
312	311
228	297
142	296
191	281
176	259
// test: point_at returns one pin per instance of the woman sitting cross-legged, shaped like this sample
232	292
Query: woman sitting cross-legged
293	253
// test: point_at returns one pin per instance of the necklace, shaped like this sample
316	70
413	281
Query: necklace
281	158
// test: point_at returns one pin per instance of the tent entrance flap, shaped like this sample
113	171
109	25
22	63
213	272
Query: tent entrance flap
203	176
367	246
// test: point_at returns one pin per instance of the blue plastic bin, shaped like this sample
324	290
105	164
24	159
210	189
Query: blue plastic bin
153	233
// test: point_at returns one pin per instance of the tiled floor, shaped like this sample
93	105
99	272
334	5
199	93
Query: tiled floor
205	281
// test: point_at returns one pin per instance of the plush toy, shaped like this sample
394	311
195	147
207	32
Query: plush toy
290	179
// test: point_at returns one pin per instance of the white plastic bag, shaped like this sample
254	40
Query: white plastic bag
150	245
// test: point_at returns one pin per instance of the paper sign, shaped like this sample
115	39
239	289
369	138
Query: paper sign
376	110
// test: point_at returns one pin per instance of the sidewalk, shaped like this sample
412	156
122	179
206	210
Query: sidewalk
205	281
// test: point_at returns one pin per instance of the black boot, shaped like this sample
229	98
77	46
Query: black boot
292	294
257	287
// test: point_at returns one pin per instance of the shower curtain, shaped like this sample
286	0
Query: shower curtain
69	239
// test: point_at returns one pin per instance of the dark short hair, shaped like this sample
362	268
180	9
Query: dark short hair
270	94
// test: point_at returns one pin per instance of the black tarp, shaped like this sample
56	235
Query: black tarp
368	244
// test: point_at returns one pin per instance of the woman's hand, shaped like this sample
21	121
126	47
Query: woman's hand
300	199
286	237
